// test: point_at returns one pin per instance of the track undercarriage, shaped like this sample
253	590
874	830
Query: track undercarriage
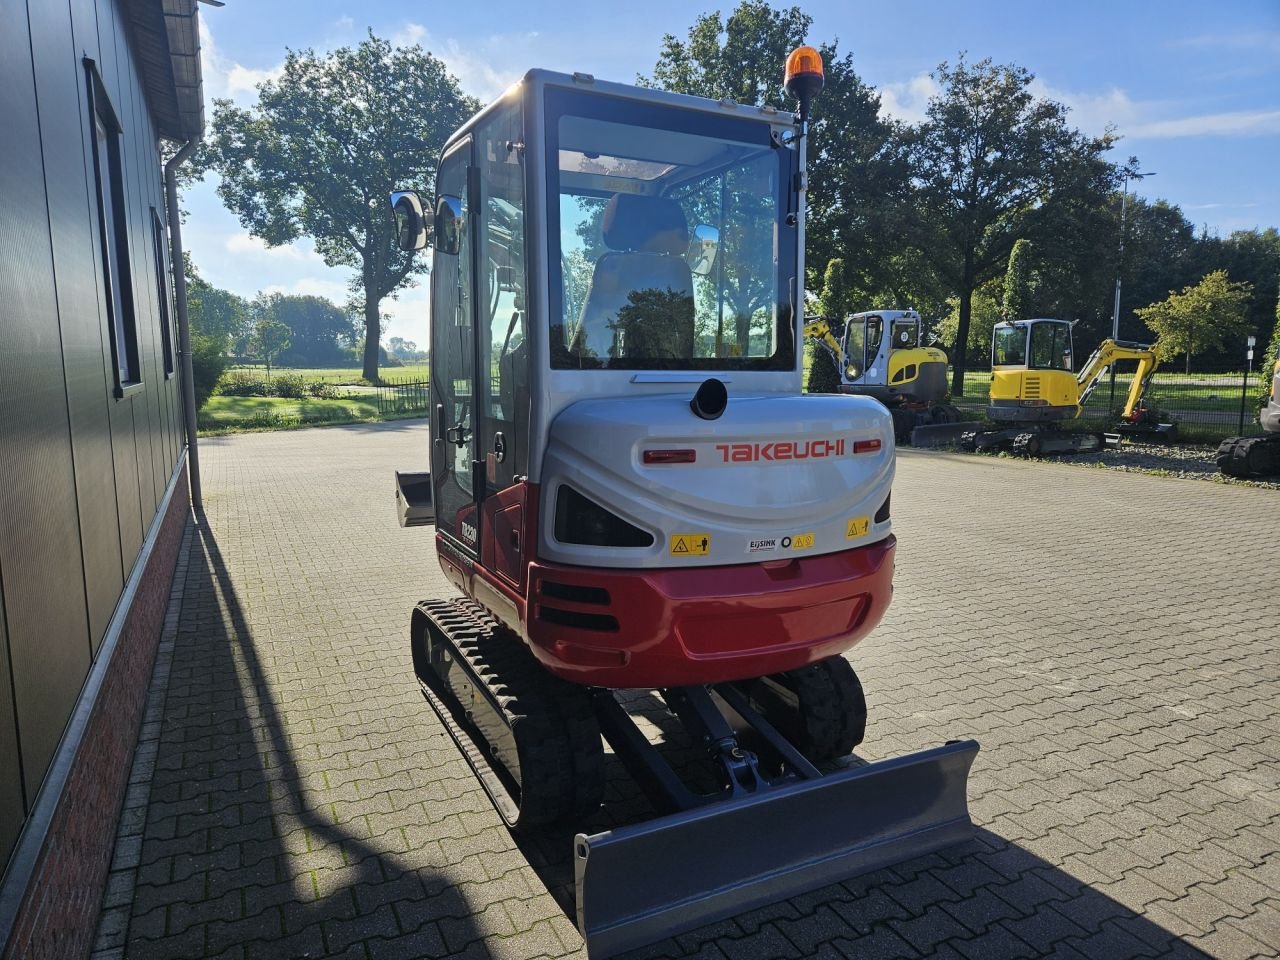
787	807
1250	456
1033	440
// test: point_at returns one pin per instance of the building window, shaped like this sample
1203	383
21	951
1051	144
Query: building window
114	236
162	291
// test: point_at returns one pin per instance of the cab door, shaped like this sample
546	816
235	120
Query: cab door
453	349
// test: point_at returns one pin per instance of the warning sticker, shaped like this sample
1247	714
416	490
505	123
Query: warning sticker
858	527
799	541
690	544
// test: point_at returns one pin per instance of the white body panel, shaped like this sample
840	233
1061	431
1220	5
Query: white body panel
772	468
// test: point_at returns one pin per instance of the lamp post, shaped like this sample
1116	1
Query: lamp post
1115	310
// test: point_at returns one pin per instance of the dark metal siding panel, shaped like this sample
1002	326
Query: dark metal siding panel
47	624
12	810
124	446
64	127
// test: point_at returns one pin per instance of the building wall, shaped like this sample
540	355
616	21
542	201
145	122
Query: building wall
81	470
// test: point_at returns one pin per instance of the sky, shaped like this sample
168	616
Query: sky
1192	88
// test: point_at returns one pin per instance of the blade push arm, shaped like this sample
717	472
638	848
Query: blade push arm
1108	353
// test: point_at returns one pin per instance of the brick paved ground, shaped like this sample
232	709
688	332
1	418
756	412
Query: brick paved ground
1107	637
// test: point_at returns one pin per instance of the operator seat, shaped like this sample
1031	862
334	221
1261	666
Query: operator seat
640	301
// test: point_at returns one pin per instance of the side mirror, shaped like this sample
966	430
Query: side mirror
702	249
411	226
450	224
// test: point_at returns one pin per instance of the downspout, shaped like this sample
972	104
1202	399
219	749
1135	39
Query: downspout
184	325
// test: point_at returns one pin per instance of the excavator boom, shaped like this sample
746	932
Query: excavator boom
1108	353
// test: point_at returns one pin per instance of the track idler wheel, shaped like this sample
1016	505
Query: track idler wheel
820	708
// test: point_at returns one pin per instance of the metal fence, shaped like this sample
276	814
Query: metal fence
402	396
1206	406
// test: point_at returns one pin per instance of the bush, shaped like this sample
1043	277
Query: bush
207	365
322	390
291	386
238	383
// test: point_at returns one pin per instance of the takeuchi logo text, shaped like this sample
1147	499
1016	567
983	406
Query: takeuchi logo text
780	450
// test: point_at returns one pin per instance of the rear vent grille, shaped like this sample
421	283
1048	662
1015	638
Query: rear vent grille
599	622
579	520
1031	388
883	513
575	593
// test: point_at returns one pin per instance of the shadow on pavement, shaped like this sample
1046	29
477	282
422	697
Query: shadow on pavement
241	857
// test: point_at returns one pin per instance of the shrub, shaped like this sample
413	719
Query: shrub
322	390
238	383
207	365
291	386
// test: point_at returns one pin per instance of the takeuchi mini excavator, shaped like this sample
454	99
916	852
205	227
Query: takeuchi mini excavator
632	494
1034	392
1256	456
880	353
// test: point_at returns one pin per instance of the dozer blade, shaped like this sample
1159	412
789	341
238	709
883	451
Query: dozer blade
642	883
942	434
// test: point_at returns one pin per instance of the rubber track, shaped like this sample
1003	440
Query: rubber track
561	760
1250	456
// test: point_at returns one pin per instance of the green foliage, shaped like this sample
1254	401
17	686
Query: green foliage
292	386
322	149
270	338
991	163
212	311
1273	346
837	303
856	176
320	332
208	361
985	313
1201	317
1018	298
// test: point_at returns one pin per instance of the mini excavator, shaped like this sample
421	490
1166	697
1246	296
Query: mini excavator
631	491
879	354
1034	393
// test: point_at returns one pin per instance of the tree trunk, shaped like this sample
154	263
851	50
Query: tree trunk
958	353
1188	362
372	334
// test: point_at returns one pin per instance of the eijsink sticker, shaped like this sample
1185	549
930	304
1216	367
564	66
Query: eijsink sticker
763	545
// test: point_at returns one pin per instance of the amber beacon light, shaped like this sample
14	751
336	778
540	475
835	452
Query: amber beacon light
804	76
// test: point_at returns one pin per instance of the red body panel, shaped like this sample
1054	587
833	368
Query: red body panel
670	627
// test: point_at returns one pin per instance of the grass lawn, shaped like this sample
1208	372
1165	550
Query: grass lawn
339	375
235	414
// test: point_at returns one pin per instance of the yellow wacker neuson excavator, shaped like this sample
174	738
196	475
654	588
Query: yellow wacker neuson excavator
1034	393
880	353
632	492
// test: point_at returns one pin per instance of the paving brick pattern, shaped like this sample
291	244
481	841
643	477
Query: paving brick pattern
1110	639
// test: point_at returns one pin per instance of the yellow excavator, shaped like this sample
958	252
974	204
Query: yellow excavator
1034	391
909	378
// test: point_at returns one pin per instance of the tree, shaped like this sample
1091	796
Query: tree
322	149
985	313
837	305
1201	317
214	315
270	338
856	174
320	332
992	163
1017	302
1273	346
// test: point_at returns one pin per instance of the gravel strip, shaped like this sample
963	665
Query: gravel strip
1184	461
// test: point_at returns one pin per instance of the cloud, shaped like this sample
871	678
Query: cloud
334	290
1243	123
1267	41
485	68
1219	206
908	101
1154	119
246	244
224	77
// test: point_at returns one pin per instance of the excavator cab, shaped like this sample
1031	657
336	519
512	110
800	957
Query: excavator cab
1031	372
632	492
